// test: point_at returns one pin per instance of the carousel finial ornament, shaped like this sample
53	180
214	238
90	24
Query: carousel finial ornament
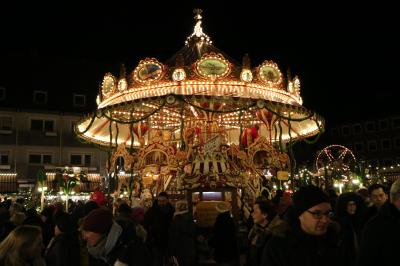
198	31
198	36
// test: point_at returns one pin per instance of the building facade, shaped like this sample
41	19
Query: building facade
31	140
377	141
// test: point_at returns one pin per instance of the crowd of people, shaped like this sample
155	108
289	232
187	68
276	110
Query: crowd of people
310	227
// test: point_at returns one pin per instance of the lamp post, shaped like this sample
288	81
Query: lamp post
41	178
42	189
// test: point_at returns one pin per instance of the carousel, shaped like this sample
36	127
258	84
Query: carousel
199	123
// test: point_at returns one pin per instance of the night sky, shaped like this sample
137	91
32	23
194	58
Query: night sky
346	57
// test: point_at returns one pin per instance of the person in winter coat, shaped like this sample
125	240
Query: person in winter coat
350	211
109	244
378	197
124	217
380	237
266	223
63	249
157	220
224	239
311	239
48	224
182	235
23	246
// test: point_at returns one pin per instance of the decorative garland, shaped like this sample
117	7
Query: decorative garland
134	120
87	128
320	132
289	118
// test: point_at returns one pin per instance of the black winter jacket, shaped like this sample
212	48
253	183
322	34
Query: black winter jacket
63	250
380	238
297	248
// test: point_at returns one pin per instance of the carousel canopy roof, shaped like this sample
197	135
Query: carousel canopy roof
199	83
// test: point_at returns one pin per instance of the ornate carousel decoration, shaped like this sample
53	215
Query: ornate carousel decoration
200	120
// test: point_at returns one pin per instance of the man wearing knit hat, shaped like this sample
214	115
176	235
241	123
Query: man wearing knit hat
312	238
109	243
313	208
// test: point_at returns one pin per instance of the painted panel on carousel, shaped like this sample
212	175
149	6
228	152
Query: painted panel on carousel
108	85
148	70
269	73
213	66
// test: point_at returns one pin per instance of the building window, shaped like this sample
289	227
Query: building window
396	143
76	159
6	123
42	125
386	144
370	126
88	159
357	129
81	159
2	93
4	157
396	122
383	124
38	158
358	147
39	97
372	145
79	100
346	131
335	132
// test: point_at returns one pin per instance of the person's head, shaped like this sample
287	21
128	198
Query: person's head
162	199
47	213
363	192
263	212
395	193
96	225
124	208
349	204
22	245
351	207
64	223
377	195
311	206
89	206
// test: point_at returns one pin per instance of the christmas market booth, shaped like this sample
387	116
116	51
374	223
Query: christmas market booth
200	125
66	183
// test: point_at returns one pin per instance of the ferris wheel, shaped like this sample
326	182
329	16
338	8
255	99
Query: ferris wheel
334	158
